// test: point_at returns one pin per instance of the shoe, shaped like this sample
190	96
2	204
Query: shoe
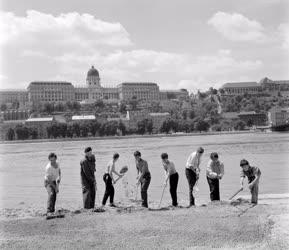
112	205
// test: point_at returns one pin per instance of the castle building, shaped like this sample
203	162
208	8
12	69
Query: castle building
265	85
62	91
45	91
139	90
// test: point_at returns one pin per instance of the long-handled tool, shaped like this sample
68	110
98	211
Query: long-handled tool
239	190
162	195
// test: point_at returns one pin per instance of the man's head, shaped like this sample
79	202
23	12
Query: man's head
244	164
164	157
137	155
52	157
88	151
115	157
200	150
214	156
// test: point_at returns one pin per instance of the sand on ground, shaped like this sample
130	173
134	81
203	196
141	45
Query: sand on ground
215	225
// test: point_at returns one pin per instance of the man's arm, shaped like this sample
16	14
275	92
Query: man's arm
210	172
242	178
257	177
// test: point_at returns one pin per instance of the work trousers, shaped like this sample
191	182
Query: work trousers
214	189
145	182
254	192
174	179
109	189
192	178
88	194
51	190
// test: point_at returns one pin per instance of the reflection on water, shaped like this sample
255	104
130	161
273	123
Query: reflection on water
22	166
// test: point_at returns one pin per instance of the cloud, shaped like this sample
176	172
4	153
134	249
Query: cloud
284	34
41	46
237	27
169	70
69	29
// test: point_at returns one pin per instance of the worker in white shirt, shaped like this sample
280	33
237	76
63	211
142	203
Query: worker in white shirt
52	180
193	172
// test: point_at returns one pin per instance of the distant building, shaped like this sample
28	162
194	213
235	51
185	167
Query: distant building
253	118
138	90
62	91
50	92
264	86
174	94
278	116
12	96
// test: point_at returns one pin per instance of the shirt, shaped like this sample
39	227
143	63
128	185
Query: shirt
214	169
250	173
170	168
142	167
194	162
52	173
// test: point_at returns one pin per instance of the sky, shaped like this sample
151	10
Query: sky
174	43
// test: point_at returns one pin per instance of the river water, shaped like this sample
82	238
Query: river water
23	164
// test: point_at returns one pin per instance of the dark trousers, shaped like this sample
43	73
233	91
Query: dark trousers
174	179
109	189
192	178
254	191
51	190
145	182
88	194
214	189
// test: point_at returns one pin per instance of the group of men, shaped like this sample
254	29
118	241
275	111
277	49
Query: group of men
214	173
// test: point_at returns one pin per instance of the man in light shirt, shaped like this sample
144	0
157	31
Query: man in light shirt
215	172
171	175
193	172
51	182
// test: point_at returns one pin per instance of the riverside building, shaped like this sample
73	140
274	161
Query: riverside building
264	86
91	91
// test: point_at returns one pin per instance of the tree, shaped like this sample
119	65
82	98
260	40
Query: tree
192	114
3	107
239	125
33	132
22	132
122	108
10	135
201	125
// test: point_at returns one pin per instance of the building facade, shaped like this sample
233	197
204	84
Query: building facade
46	91
139	90
62	91
265	85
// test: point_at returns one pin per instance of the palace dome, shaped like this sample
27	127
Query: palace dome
92	72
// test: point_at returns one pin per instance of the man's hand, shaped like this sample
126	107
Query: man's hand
250	186
165	183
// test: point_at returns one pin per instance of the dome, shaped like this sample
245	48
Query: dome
265	80
92	72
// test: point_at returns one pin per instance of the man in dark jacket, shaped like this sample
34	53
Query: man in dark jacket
88	179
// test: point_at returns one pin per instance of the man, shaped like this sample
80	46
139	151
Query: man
171	175
215	172
193	172
253	174
51	182
109	180
143	178
88	179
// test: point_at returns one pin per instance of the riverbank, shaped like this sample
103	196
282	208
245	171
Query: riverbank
223	225
130	137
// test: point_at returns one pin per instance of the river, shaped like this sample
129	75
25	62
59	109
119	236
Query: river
23	164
